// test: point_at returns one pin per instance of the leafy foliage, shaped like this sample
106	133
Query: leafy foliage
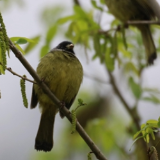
148	130
23	40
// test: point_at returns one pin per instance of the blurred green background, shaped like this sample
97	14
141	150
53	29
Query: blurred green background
120	90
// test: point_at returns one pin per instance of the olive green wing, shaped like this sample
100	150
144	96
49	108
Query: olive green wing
68	105
34	99
144	8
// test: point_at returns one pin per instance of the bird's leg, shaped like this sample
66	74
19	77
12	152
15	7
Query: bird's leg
43	79
62	105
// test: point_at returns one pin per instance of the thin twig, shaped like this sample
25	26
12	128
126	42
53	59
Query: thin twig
56	101
16	74
142	22
126	26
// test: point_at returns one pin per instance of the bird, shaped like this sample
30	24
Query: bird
126	10
62	72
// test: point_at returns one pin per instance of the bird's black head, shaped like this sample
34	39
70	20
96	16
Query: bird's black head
66	46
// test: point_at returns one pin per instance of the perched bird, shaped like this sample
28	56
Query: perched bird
62	72
126	10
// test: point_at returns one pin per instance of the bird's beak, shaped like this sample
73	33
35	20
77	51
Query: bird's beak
70	46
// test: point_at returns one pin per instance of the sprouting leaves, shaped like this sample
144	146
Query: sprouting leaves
31	46
81	26
20	40
96	6
73	113
148	130
89	156
23	40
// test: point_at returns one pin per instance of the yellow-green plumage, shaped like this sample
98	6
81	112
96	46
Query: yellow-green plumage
62	73
126	10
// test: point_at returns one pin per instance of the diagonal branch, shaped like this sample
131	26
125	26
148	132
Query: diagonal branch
64	110
142	22
133	115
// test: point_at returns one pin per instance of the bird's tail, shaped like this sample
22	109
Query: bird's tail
44	138
148	43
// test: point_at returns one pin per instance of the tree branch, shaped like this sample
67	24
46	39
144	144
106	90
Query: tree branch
126	26
142	22
133	115
16	74
64	110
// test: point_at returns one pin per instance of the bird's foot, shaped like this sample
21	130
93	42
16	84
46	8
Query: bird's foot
62	106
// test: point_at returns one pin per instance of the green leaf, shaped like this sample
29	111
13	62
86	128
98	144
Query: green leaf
79	11
31	46
80	101
66	19
143	127
136	88
109	61
152	121
158	122
94	3
51	33
21	40
124	37
152	98
115	45
130	67
102	1
109	54
96	45
44	50
136	134
19	48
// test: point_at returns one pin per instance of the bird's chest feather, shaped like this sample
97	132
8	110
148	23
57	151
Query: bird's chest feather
61	75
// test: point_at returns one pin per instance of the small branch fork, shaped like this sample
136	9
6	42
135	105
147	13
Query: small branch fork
16	74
